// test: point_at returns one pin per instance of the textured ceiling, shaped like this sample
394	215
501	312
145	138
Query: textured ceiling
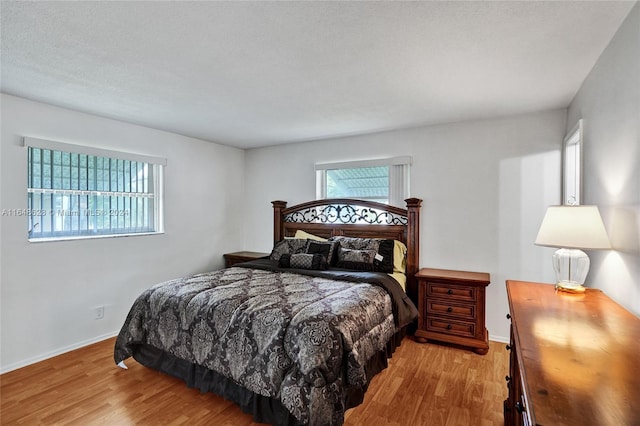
251	74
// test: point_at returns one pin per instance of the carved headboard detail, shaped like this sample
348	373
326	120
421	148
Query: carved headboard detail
355	218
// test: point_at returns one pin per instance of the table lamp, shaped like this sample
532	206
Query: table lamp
571	228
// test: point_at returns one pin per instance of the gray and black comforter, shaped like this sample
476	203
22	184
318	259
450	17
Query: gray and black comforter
301	339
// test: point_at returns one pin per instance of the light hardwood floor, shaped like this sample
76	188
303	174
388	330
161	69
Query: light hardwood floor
425	384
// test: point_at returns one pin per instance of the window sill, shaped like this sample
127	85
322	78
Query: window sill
91	237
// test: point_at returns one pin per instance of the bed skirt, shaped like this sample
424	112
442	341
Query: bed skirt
262	408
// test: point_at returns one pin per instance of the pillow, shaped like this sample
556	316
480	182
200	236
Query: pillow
303	261
307	236
360	260
327	249
383	261
399	257
287	246
384	249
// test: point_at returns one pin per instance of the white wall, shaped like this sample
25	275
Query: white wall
48	290
609	103
485	186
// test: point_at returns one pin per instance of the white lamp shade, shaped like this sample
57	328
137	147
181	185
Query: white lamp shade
578	227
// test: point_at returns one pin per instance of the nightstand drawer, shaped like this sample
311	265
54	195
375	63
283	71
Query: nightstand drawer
443	307
451	291
447	326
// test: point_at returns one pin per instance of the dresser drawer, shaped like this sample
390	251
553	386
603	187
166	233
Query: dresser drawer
451	291
447	326
441	307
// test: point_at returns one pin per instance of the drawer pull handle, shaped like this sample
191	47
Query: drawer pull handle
508	347
449	309
508	316
449	327
450	291
507	378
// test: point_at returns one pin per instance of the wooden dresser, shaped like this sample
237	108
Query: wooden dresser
451	306
575	359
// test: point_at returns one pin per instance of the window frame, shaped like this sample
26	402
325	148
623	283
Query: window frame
572	165
156	183
399	174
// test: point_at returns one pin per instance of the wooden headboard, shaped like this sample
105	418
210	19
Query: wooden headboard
355	218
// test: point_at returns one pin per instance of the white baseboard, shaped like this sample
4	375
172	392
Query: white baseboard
60	351
500	339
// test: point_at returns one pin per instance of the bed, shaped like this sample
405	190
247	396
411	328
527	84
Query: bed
294	338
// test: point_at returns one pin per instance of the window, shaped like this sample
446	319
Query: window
81	192
385	180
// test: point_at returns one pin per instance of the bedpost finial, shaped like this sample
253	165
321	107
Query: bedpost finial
413	202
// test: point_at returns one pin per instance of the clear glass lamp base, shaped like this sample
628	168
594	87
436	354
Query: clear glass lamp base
570	287
572	267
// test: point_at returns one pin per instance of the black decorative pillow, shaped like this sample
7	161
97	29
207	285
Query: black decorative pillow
288	246
359	260
383	260
327	249
384	264
303	261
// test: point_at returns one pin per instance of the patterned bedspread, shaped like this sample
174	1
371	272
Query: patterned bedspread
297	338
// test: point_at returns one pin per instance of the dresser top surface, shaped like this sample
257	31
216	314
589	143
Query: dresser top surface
579	355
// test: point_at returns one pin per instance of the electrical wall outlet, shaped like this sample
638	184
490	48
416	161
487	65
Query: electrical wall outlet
98	313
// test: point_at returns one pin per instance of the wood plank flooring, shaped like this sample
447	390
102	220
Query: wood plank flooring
425	384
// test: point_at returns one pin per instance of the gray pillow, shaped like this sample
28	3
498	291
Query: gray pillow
288	246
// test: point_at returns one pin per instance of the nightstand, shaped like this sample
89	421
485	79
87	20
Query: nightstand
231	259
451	305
